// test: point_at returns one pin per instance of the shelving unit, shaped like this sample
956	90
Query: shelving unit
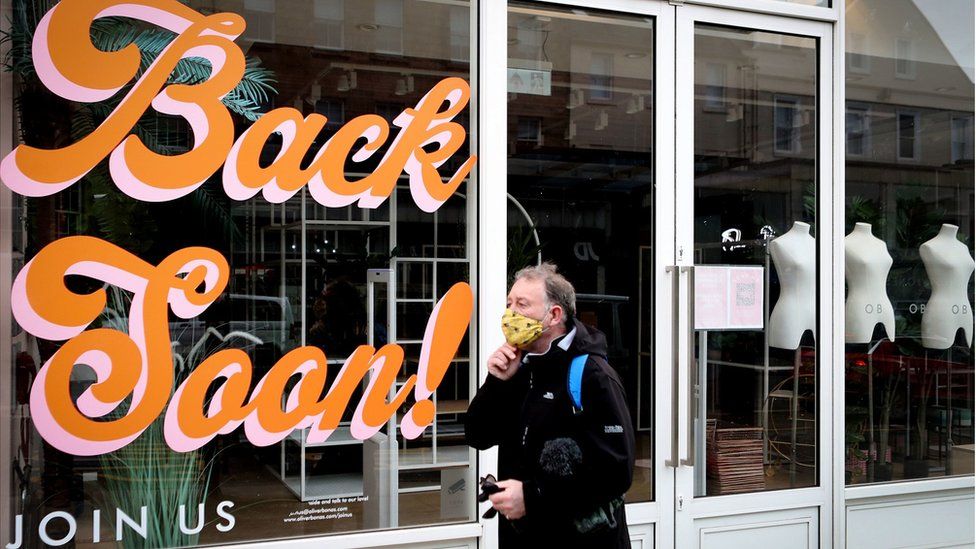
288	236
333	485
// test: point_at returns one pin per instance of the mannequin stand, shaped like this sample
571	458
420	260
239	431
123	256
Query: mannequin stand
872	449
794	414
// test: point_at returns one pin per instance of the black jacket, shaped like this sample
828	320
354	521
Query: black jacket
534	407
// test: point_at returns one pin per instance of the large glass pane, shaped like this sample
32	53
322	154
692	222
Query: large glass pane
755	203
303	271
909	220
581	183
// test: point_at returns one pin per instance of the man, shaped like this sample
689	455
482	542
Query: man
563	468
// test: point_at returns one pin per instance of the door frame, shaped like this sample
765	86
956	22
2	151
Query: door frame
672	137
493	138
819	496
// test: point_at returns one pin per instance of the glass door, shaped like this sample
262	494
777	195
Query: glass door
752	279
589	189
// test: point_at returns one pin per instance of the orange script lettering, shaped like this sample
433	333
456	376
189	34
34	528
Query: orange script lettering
70	66
216	398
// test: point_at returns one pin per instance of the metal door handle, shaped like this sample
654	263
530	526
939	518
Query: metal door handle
689	460
675	360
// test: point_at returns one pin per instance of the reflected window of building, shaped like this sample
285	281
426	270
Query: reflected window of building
530	130
333	110
260	18
858	62
787	120
962	138
389	18
601	76
389	111
714	87
460	33
858	129
904	58
329	23
907	139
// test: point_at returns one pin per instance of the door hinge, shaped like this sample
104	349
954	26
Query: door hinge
679	502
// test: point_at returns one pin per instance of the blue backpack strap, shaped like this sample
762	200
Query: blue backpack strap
575	381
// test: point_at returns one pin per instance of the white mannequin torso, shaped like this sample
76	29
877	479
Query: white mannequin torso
867	263
794	255
949	267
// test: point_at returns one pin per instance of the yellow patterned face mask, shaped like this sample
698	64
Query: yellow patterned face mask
519	329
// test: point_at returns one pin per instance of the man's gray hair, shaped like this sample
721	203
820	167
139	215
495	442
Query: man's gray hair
559	291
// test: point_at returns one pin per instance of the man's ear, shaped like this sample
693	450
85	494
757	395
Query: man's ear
557	315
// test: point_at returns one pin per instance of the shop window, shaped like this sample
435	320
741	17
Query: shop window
909	213
858	129
907	135
305	274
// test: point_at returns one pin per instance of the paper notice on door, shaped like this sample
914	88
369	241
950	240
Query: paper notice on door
728	298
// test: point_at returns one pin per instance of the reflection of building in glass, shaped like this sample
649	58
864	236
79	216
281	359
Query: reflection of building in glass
909	171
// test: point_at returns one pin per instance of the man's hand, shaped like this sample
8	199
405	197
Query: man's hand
509	502
504	362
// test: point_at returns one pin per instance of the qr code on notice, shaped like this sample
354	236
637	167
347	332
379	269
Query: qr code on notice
745	294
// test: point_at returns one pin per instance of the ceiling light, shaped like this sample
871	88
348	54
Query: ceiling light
635	104
635	55
602	120
576	98
734	113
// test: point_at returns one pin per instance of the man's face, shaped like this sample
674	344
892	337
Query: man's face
527	297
